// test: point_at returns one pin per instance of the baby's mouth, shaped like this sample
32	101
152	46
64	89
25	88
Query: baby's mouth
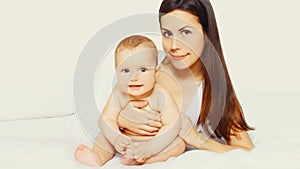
135	86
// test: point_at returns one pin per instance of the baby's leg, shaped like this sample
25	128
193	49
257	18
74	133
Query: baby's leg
101	152
176	148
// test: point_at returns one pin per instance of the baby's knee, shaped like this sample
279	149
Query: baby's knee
176	148
180	147
173	150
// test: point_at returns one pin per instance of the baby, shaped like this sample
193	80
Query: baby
136	94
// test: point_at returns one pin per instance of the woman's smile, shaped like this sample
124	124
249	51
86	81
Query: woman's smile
178	57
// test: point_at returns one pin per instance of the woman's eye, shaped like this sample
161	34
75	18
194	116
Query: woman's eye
125	70
186	32
167	34
143	69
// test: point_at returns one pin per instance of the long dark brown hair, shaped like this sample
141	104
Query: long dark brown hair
221	112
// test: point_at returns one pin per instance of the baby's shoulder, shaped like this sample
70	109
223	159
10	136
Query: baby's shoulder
120	100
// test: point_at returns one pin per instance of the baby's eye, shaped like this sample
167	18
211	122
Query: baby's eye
167	34
186	32
125	70
143	69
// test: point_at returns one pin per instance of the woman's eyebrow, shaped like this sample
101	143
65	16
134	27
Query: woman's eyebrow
185	27
182	28
165	29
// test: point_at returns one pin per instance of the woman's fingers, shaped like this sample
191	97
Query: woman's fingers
145	130
130	133
136	116
147	133
156	124
139	132
149	128
152	115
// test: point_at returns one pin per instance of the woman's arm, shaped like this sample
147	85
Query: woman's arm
240	141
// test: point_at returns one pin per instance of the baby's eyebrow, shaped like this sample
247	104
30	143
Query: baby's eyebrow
148	67
152	68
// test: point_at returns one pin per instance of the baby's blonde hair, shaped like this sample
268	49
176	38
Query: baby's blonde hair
134	41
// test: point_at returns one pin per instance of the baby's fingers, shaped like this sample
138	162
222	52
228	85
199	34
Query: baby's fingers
120	148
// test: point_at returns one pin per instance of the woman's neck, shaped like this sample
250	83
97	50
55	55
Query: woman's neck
182	83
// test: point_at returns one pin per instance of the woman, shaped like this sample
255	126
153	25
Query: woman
194	60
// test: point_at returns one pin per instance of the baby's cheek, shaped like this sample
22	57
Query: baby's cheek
122	84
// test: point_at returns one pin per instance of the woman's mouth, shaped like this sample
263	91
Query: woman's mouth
178	57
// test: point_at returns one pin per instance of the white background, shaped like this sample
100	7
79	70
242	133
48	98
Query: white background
40	42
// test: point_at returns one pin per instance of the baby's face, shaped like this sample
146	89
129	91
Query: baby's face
136	70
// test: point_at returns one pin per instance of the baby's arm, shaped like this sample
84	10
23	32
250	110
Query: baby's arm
109	126
170	117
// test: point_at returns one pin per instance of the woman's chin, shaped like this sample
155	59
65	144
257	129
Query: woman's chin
180	65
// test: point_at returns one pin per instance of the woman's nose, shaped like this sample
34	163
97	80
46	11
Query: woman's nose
175	44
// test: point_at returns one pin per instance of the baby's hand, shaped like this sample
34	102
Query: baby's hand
141	152
121	143
128	157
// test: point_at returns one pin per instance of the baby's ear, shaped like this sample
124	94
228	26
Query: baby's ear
157	68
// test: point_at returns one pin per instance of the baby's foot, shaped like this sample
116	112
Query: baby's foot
86	156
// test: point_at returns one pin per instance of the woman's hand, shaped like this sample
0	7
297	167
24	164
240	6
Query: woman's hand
148	127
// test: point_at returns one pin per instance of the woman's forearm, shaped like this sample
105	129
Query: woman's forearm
197	140
212	145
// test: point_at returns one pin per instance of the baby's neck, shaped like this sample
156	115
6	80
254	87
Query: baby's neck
139	104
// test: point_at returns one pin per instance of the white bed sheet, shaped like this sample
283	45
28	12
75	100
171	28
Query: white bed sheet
50	142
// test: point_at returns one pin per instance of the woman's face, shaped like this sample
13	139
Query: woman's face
183	38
